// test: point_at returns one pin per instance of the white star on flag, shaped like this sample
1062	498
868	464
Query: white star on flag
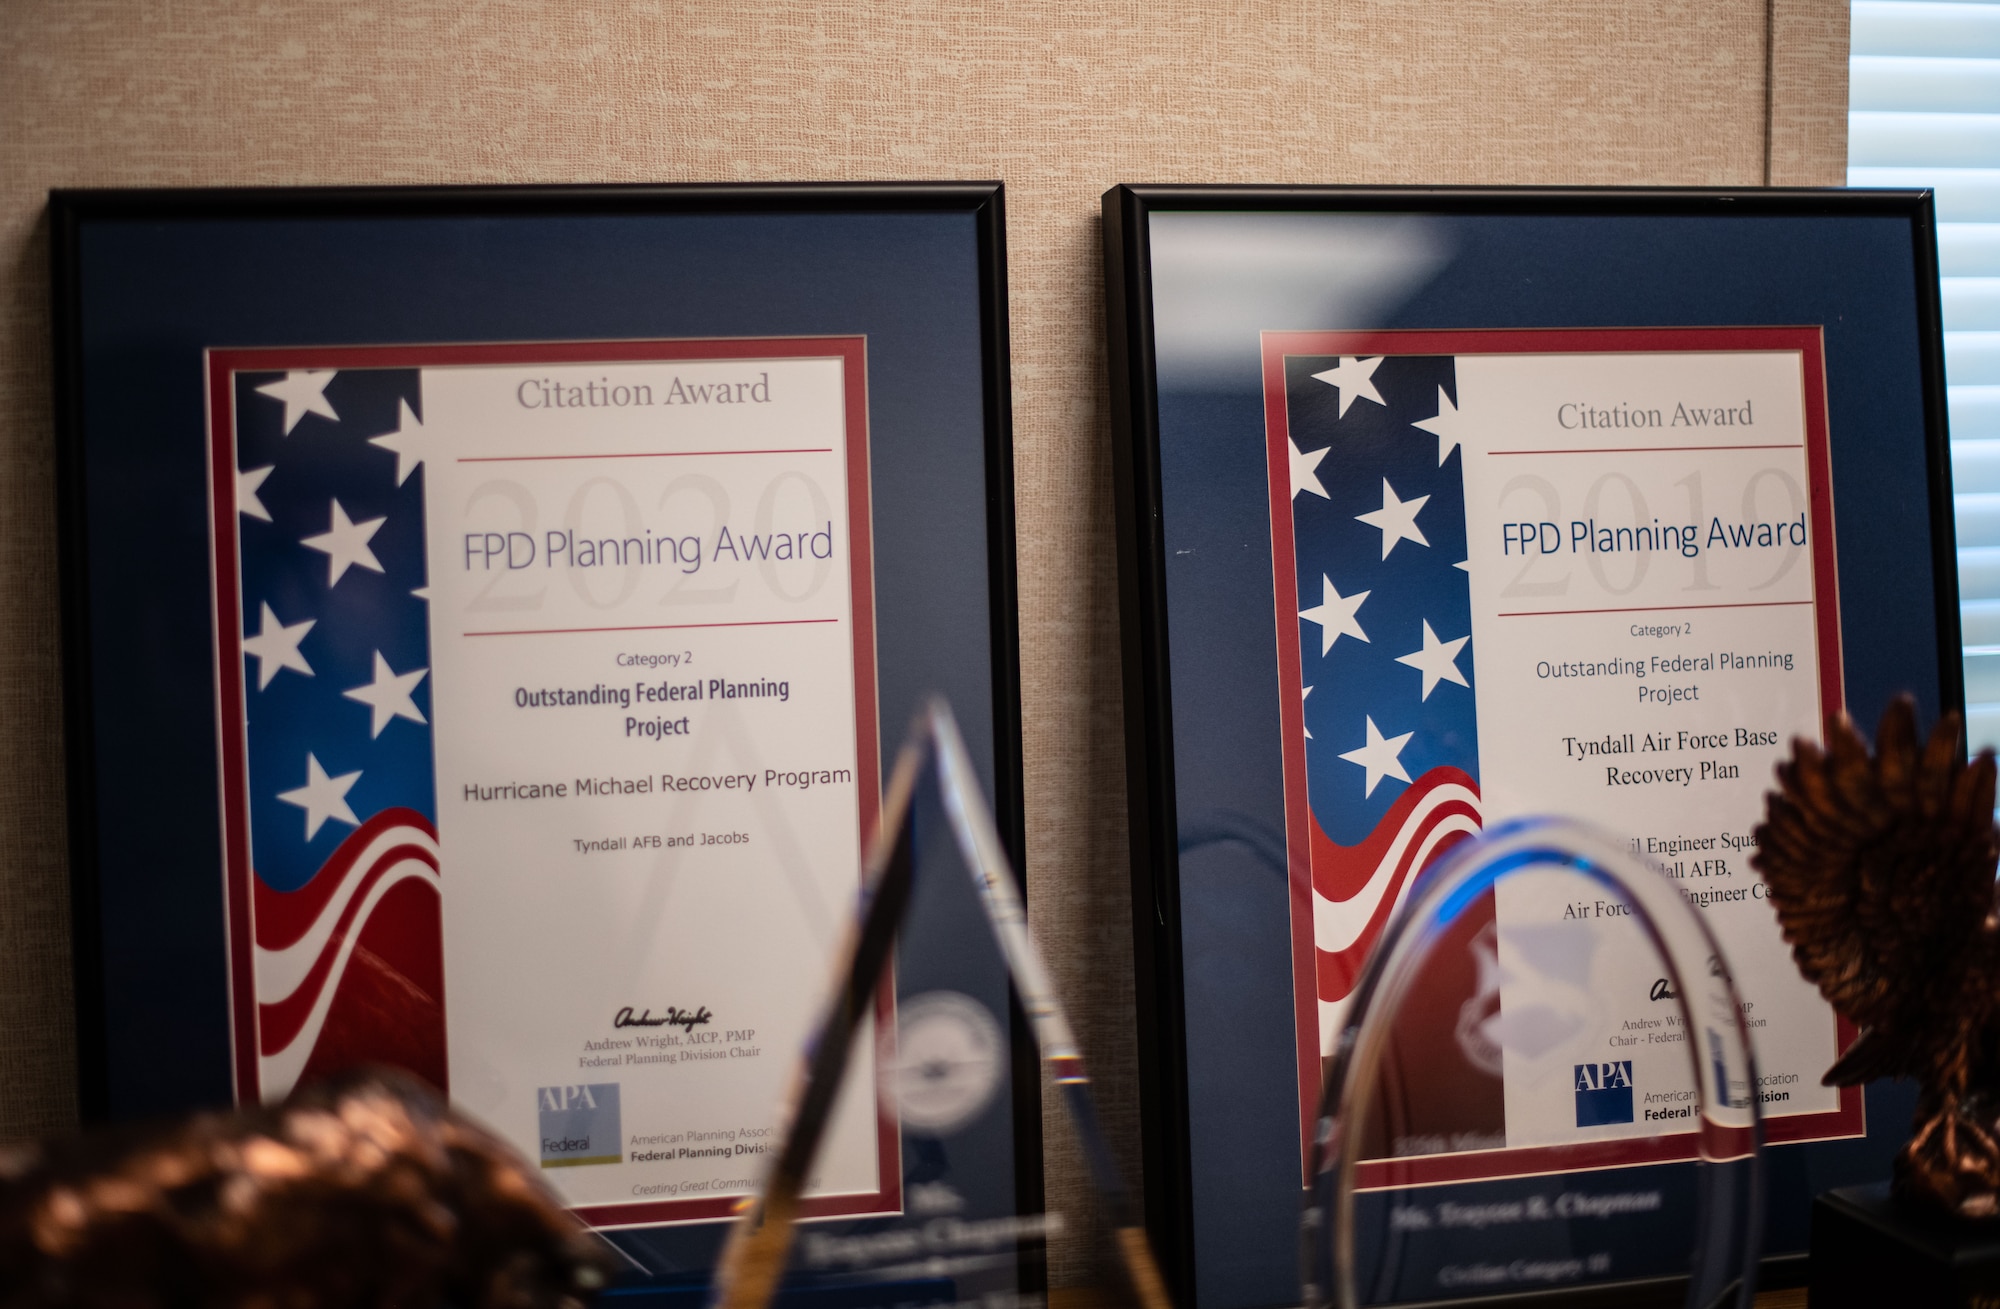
303	393
247	483
1396	518
1354	379
1335	614
345	544
1448	427
276	647
323	797
1379	757
407	442
1303	476
1302	699
389	694
1437	661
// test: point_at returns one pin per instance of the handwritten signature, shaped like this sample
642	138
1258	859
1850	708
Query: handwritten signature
685	1019
1663	990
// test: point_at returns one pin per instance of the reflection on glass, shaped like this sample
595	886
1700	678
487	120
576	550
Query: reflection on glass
1486	1029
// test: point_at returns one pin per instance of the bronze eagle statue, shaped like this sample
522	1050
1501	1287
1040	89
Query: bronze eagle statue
1881	868
363	1192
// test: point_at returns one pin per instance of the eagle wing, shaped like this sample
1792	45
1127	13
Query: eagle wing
1881	871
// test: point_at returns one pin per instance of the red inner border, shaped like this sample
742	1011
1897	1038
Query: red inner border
1850	1118
222	364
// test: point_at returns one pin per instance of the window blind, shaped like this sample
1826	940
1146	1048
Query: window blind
1924	110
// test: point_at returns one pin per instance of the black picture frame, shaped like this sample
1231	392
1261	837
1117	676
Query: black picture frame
1545	235
143	281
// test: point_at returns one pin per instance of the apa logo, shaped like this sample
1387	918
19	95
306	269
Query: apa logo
1603	1093
555	1099
580	1125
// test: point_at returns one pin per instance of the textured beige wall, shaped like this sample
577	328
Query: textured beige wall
1808	93
1059	99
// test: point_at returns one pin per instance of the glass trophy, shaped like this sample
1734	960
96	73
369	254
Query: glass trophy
1543	1080
936	870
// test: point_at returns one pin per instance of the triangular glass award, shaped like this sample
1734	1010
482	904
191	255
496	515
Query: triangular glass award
936	867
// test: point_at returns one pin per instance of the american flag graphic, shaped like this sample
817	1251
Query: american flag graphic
1391	747
1374	611
322	615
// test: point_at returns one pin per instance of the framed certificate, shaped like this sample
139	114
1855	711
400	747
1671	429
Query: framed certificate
1734	590
485	608
1442	509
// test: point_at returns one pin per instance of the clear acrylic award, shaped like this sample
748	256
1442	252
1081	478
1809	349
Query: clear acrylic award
936	862
1544	1080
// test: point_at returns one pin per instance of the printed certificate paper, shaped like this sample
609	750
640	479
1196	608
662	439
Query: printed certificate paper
1587	573
548	720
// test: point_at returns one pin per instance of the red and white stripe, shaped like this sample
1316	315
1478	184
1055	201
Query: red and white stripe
304	938
1358	888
